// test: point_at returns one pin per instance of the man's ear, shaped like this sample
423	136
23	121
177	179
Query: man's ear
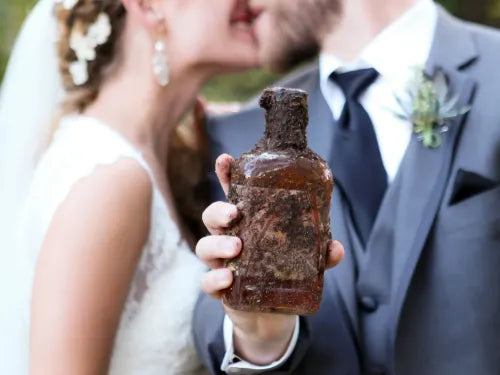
143	12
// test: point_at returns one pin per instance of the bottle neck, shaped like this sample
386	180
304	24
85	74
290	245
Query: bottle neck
286	128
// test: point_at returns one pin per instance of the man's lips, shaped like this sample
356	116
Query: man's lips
256	12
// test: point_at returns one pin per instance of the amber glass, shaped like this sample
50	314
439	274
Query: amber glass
283	191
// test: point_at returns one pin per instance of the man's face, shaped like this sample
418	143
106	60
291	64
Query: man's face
291	31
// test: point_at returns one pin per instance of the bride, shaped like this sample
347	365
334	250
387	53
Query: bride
95	275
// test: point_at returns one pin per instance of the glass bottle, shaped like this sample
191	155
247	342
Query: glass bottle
283	191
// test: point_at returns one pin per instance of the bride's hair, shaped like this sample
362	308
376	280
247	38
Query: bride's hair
186	150
81	16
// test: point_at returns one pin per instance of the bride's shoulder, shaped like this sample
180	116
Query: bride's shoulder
80	147
81	143
88	138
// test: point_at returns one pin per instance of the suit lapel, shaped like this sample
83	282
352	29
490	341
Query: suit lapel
320	133
425	172
343	277
412	201
410	206
320	122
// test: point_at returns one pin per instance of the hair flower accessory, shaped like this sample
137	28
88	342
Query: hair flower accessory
430	107
81	45
100	31
79	72
84	45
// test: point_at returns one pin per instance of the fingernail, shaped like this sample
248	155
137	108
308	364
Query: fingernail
222	163
234	216
233	247
232	212
223	280
337	250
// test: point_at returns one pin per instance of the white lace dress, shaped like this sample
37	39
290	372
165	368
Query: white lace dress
154	337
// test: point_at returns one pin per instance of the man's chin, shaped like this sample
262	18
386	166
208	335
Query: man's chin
267	42
268	59
278	52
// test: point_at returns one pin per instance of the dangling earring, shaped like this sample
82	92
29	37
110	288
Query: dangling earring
160	60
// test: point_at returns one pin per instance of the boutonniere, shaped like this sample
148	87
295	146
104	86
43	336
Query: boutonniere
430	106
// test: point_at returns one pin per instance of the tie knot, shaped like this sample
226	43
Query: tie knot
354	83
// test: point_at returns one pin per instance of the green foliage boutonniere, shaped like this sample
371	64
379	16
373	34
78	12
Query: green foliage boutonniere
429	107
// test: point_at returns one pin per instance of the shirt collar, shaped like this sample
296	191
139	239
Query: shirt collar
403	45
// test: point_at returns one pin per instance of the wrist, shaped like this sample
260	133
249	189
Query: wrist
263	343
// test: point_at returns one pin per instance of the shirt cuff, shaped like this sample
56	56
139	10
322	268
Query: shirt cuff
231	364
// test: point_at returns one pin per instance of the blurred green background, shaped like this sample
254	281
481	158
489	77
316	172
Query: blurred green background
234	87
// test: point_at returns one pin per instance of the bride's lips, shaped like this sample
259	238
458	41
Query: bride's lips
243	19
242	16
245	13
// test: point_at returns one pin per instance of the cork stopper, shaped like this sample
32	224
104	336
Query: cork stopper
286	118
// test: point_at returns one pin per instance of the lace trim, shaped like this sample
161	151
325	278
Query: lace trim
154	334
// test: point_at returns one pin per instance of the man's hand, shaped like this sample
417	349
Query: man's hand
258	338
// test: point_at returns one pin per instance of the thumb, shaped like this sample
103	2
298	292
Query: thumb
223	171
335	254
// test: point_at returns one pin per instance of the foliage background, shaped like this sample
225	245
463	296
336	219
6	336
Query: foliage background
234	87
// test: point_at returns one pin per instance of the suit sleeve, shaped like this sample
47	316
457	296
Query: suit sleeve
208	322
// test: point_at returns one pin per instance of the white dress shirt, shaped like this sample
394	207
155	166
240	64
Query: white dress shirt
394	53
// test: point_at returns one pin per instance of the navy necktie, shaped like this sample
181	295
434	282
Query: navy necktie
356	156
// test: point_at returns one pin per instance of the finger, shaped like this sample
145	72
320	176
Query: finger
213	250
215	282
219	216
335	254
223	171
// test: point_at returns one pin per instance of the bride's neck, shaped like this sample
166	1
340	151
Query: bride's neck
145	113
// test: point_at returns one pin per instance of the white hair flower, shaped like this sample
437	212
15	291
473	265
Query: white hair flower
84	46
100	31
79	72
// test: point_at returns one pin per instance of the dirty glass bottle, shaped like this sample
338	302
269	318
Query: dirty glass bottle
283	191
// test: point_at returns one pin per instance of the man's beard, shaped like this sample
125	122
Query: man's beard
299	28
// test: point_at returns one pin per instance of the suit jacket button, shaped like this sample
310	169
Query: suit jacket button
369	304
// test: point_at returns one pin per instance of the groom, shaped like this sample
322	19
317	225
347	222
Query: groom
418	289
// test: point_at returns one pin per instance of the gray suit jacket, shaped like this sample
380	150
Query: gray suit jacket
427	296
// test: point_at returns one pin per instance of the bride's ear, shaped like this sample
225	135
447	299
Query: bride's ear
144	12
